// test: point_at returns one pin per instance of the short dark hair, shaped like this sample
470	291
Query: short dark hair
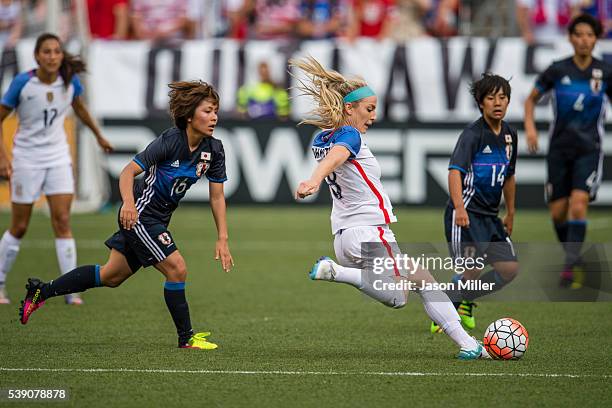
489	84
185	96
586	19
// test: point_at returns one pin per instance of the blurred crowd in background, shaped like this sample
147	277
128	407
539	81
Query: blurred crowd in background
400	20
173	21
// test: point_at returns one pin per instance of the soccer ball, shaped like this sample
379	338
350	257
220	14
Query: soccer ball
506	339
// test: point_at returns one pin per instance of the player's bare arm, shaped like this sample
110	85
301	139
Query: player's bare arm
509	195
5	163
218	207
334	159
83	114
128	216
530	129
455	188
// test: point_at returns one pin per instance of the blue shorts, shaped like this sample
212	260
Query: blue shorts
486	237
143	245
572	170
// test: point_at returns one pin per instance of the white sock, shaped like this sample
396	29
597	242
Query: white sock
9	248
352	276
440	309
65	248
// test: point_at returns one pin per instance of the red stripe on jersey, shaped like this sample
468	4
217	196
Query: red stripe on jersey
381	233
381	203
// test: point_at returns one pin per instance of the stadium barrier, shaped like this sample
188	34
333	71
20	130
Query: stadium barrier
423	106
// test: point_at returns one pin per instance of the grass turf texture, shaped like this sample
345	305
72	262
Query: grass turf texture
267	316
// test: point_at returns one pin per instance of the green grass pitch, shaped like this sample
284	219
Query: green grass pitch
285	340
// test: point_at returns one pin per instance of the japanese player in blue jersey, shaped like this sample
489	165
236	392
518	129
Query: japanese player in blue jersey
481	169
172	163
41	160
581	86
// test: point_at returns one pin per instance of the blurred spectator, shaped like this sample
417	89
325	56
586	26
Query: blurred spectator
237	14
544	20
443	18
322	18
601	9
410	19
264	99
372	18
276	18
160	20
34	15
108	19
10	23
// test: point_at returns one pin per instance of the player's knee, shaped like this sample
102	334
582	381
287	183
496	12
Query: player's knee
178	272
61	223
396	301
578	211
509	272
19	229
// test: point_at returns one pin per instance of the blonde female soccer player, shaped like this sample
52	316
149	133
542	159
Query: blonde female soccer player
41	155
345	110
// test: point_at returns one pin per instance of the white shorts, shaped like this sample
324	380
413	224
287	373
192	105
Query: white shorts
348	248
27	183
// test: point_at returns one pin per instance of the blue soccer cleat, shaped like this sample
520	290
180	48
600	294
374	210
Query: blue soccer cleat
479	353
323	269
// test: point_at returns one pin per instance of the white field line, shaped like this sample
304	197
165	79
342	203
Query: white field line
304	373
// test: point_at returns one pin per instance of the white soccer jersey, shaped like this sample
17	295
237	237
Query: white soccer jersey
358	195
40	141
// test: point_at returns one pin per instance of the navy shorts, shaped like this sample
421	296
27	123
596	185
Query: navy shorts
571	170
486	237
143	245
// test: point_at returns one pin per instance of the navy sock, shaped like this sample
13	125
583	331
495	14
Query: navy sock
576	232
77	280
491	277
561	230
174	294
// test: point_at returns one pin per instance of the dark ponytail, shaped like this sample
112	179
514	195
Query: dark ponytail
71	64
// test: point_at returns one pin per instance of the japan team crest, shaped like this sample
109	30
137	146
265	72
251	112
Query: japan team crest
508	139
164	238
596	80
203	164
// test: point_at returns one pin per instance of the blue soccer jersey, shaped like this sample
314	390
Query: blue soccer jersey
580	99
484	160
171	169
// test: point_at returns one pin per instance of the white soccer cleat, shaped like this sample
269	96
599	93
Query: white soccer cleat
73	299
4	300
323	270
479	353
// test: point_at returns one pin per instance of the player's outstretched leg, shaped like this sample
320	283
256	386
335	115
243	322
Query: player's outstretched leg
78	280
326	269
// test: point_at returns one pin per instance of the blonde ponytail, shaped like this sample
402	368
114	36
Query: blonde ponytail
327	88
